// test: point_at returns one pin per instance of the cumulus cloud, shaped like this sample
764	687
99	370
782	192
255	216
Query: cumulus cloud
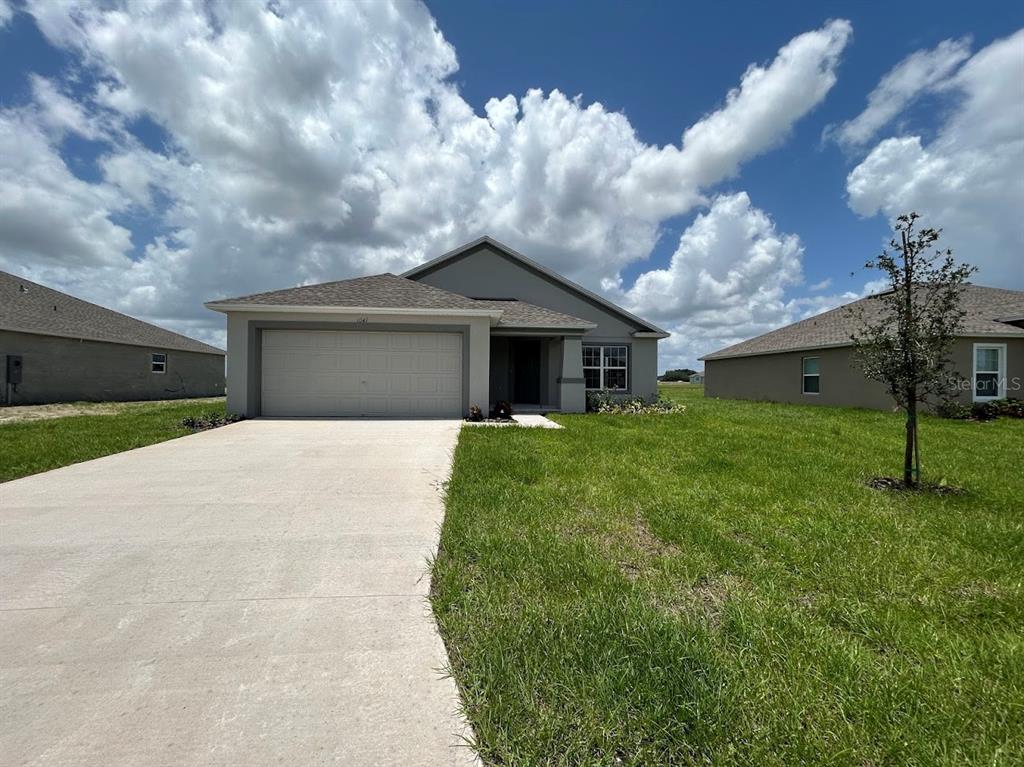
6	13
756	117
47	214
919	72
969	179
727	281
307	142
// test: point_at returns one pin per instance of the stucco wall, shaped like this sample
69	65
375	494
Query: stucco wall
68	370
243	341
777	377
485	273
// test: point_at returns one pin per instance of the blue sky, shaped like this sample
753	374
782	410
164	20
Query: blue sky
666	64
153	159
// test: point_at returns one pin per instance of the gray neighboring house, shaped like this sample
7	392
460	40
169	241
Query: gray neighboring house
475	326
697	378
812	362
58	348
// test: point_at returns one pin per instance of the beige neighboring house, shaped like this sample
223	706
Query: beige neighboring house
475	326
58	348
812	361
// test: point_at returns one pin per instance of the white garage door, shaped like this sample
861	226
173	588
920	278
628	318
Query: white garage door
353	373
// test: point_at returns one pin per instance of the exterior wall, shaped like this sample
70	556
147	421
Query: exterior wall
777	377
60	369
244	338
486	273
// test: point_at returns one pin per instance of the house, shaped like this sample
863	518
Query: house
475	326
812	361
697	378
58	348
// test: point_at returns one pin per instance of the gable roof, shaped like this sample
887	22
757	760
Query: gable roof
28	307
378	291
393	293
988	313
520	314
537	268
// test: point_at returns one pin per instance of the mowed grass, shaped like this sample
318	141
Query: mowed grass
720	587
29	447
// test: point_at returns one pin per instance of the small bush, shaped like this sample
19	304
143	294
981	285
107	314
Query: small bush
984	411
1010	408
475	413
953	409
209	421
502	411
605	402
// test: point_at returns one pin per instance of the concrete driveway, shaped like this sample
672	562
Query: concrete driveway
251	595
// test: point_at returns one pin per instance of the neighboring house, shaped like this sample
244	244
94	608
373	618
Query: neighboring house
58	348
475	326
697	378
812	361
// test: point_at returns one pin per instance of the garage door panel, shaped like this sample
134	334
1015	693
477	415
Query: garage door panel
361	373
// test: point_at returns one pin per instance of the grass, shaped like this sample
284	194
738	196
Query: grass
720	587
31	446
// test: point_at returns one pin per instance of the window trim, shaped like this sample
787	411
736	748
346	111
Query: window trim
1000	373
804	376
601	367
153	362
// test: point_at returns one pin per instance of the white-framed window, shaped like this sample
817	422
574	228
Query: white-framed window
606	367
989	379
158	362
811	375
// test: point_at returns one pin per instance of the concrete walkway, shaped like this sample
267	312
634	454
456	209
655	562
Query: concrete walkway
251	595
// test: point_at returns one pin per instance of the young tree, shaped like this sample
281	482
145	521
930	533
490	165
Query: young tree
906	333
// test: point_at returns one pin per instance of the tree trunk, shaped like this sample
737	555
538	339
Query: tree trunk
908	454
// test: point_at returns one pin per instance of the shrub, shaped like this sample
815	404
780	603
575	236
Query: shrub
984	411
1011	408
475	413
605	402
953	409
502	411
209	421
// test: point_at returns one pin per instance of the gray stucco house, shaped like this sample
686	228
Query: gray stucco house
475	326
812	361
58	348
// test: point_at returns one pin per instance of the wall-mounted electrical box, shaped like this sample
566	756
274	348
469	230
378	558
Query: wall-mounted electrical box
14	369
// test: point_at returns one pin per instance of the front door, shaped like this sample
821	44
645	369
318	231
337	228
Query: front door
526	371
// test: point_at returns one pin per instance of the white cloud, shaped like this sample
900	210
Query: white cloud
48	216
6	13
919	72
756	117
969	179
315	141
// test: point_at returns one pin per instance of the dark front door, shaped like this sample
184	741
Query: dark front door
526	371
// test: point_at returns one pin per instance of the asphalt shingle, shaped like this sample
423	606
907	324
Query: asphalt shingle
389	291
28	307
988	310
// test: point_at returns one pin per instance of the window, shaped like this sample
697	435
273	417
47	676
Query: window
989	380
605	367
157	363
811	376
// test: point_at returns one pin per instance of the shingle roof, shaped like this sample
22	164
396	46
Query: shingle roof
383	291
988	310
388	291
28	307
519	314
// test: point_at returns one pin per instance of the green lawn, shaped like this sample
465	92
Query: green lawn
720	587
29	447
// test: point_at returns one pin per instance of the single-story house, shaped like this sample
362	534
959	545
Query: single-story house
697	378
812	361
58	348
475	326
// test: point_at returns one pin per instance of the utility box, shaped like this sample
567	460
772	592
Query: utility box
14	369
